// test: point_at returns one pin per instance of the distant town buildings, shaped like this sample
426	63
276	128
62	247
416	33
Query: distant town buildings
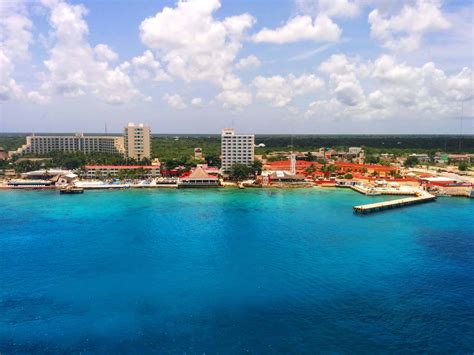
236	149
198	153
137	141
79	143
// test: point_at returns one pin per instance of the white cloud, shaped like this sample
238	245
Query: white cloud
37	98
9	89
15	39
105	54
146	66
301	28
405	30
234	99
279	91
196	101
175	101
331	8
339	8
74	68
390	89
248	62
15	30
193	44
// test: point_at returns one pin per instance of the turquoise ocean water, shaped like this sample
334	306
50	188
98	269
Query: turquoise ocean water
233	271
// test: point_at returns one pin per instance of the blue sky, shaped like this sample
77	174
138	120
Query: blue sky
296	66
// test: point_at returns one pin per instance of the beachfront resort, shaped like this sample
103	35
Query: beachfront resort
238	166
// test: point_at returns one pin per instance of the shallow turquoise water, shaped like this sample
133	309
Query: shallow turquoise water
231	271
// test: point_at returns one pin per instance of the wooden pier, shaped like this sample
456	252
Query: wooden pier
380	206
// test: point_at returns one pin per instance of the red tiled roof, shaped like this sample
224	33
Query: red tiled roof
286	164
367	166
122	166
302	164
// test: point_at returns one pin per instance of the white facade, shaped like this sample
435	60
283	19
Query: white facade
78	143
236	149
103	171
137	141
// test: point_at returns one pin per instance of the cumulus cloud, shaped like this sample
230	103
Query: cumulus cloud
15	39
405	30
146	66
278	91
175	101
104	53
248	62
74	68
331	8
193	44
37	98
234	99
196	101
390	89
9	89
301	28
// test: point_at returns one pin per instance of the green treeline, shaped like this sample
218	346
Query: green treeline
181	148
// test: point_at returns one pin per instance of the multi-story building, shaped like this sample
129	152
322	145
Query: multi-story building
103	171
78	143
236	149
137	141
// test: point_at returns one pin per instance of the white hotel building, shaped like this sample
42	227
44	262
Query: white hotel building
135	143
236	149
77	143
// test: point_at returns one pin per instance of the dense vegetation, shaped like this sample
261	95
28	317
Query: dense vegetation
74	161
12	141
179	150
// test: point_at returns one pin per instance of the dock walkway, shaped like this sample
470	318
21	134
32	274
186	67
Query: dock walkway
383	191
380	206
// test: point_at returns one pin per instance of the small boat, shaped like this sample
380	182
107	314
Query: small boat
71	190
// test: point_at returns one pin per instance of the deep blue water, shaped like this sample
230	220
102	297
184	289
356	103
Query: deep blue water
233	271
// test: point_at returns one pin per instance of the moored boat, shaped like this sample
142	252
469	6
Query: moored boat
71	190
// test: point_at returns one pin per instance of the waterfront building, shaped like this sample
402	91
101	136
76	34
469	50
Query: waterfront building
380	170
283	177
78	143
236	149
45	173
137	141
285	165
340	167
198	179
105	171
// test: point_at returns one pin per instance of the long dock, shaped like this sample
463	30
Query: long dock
382	191
380	206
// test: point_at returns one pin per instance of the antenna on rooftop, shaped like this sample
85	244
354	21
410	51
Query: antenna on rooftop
105	127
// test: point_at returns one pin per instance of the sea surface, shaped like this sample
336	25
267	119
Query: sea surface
233	271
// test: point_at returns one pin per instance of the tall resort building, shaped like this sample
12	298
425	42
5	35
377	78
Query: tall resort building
236	149
137	141
73	143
